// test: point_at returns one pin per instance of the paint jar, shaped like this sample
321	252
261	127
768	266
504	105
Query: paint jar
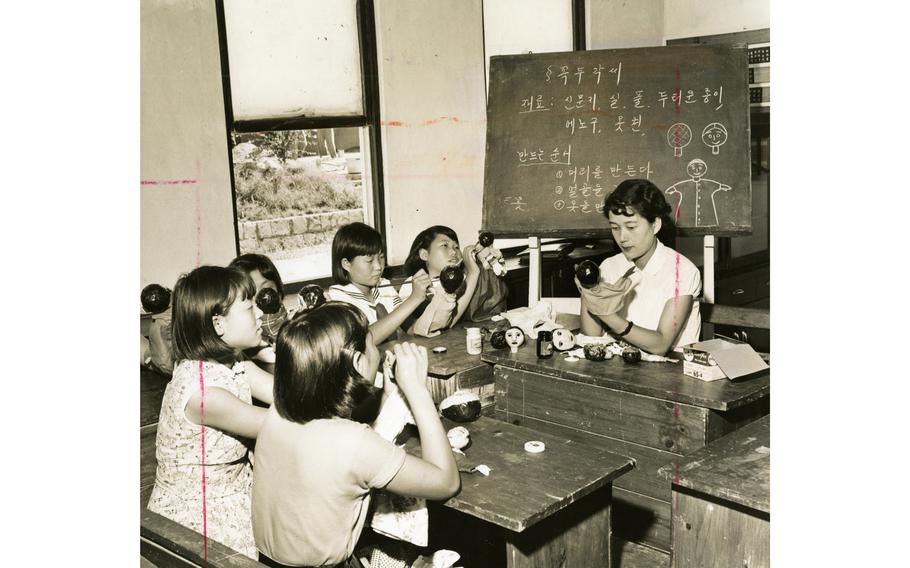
474	341
544	344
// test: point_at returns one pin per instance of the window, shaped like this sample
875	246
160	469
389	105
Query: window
301	103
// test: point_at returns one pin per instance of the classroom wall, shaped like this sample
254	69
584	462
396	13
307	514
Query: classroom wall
433	107
615	24
526	26
690	18
432	82
183	140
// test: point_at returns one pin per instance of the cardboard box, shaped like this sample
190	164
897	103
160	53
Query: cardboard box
703	372
734	359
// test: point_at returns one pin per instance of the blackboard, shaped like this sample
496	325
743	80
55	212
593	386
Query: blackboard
564	129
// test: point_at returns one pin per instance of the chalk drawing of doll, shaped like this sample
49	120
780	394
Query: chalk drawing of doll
696	206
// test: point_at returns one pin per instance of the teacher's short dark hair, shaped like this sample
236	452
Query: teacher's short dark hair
638	195
315	376
353	239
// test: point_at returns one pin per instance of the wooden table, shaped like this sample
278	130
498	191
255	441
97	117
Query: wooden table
550	508
453	369
649	411
721	501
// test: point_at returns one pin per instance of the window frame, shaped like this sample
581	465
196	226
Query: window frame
366	24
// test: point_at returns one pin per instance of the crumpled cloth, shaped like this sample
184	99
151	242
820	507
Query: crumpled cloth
532	320
395	516
438	314
605	299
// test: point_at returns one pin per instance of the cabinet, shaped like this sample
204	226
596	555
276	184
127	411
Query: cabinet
748	287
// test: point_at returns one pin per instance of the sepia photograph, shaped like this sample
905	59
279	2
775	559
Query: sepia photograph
455	283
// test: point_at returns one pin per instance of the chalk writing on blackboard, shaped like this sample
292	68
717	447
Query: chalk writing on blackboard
699	189
518	202
540	157
597	118
563	72
714	136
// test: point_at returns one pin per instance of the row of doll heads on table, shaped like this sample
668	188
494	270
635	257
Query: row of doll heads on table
636	210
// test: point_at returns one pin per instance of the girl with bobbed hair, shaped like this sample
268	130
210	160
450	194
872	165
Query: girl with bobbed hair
315	467
433	250
207	411
648	293
358	262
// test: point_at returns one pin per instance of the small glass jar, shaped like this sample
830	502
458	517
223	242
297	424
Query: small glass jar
474	341
544	344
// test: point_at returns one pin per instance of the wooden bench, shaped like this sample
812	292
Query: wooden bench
162	542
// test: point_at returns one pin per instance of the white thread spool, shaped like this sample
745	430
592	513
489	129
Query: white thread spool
535	447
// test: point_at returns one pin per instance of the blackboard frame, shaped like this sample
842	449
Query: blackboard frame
586	229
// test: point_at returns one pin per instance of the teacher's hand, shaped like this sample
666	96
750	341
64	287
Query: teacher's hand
606	299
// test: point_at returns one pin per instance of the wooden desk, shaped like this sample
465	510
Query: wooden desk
454	369
552	508
721	501
650	412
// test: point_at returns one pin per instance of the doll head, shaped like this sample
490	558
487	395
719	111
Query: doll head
563	339
310	297
515	338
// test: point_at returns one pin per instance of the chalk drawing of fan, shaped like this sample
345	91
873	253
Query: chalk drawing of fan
678	137
714	136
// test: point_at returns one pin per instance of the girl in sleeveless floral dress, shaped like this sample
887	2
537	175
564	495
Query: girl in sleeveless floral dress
204	475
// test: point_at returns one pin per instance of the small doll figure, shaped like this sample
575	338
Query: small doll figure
273	312
563	339
515	338
597	352
310	297
498	339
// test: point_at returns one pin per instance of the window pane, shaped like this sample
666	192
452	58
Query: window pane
294	189
293	58
522	26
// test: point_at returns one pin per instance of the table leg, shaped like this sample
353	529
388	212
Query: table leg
576	536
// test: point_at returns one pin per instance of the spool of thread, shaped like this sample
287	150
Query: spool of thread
535	447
